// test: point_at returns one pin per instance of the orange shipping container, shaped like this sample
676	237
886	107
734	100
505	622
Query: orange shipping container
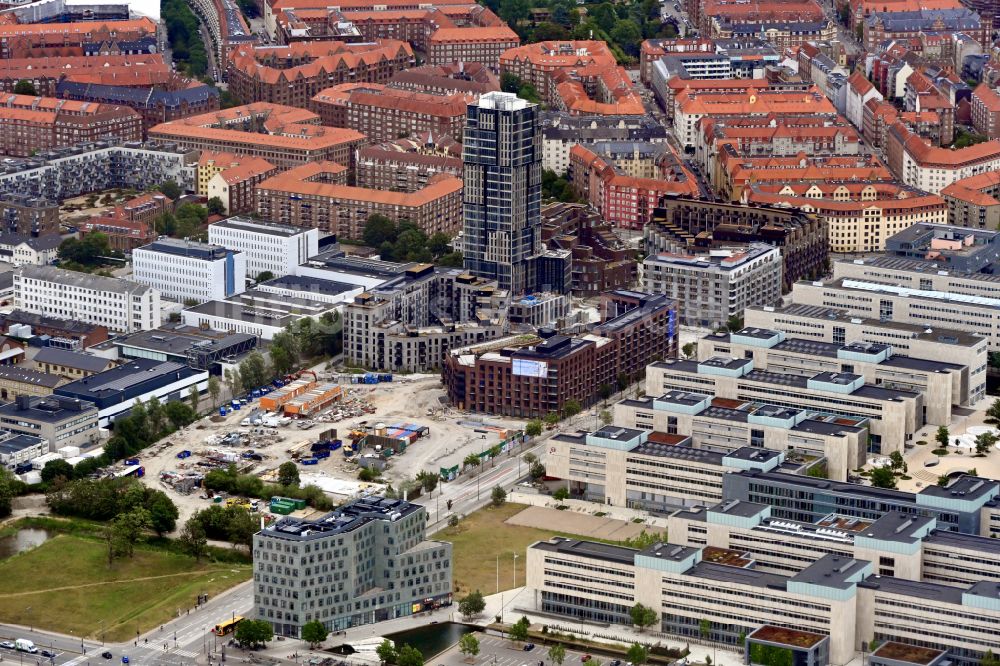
275	399
314	400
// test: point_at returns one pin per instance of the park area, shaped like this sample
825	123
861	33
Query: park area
65	585
484	543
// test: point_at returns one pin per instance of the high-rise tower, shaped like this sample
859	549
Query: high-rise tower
502	164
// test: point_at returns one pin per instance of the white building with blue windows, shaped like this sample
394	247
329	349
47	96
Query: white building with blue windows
184	269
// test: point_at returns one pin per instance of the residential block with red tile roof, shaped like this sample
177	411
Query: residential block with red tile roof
308	196
46	72
986	111
294	74
235	186
384	114
283	135
918	163
34	124
737	172
974	201
27	40
652	50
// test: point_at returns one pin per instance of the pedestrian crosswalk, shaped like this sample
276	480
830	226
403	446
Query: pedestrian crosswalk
75	660
184	653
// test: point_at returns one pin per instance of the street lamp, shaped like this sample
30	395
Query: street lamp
515	569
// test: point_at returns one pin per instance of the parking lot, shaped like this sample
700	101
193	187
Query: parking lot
497	651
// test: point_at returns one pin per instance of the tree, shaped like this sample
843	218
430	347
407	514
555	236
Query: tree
637	654
7	491
985	442
264	276
194	397
242	526
498	496
510	82
557	654
409	656
214	389
288	474
193	539
127	529
883	477
942	436
689	349
286	349
994	410
253	371
471	460
472	605
519	630
25	87
233	381
55	469
468	645
216	206
386	652
896	461
314	633
254	633
179	414
379	229
989	659
163	512
943	480
551	418
561	494
627	34
604	391
536	471
533	428
428	481
571	408
170	189
734	323
642	616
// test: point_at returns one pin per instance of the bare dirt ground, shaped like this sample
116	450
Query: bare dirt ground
571	522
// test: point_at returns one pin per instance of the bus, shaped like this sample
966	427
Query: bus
227	627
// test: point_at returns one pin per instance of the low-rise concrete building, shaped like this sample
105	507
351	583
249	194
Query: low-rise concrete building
60	421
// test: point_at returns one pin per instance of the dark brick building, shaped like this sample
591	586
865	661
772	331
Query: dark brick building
601	262
692	226
525	379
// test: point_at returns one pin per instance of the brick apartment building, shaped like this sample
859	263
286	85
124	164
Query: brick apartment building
533	378
284	136
292	75
407	165
34	40
28	215
460	77
601	262
29	125
46	72
315	196
154	103
236	186
986	111
124	234
384	114
481	45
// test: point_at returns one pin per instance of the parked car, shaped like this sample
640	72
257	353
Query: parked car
585	658
107	654
47	653
7	645
528	647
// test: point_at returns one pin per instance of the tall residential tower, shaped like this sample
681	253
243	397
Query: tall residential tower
502	164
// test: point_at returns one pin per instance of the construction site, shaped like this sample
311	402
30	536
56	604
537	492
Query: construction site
332	428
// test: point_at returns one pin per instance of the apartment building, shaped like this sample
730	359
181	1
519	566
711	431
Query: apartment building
190	270
483	45
154	103
383	113
682	225
624	180
919	164
310	196
236	187
806	438
69	172
860	216
292	75
600	260
284	136
986	111
269	247
880	25
23	214
24	250
654	471
45	72
120	305
264	312
716	286
531	376
408	165
385	566
895	415
127	37
735	173
124	235
410	322
972	202
29	125
470	78
561	131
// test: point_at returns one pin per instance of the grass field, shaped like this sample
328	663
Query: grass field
65	585
479	539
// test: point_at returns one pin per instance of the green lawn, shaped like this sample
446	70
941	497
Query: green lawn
479	539
65	585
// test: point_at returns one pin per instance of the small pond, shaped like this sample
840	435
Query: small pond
23	540
431	639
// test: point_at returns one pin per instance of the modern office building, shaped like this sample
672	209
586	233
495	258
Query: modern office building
116	391
716	286
894	414
411	322
267	246
532	376
57	420
258	312
120	305
501	197
365	562
190	270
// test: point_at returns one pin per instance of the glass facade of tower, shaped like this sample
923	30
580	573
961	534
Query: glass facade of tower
502	164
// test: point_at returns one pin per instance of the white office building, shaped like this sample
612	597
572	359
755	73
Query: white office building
120	305
184	269
268	247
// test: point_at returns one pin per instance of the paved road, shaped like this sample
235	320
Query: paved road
497	651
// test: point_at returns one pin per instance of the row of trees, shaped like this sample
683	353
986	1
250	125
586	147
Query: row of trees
106	499
186	43
407	242
147	423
